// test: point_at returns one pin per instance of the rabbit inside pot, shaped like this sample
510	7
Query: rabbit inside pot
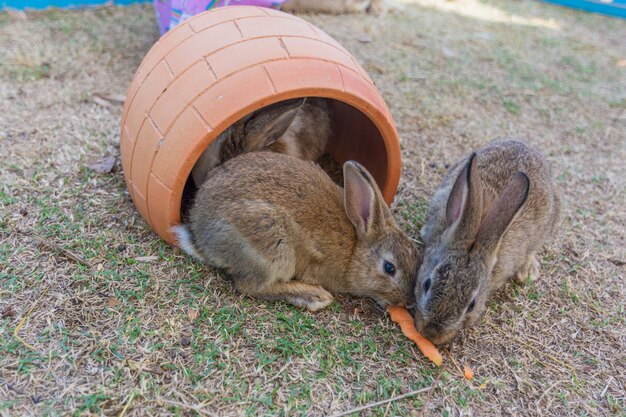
298	127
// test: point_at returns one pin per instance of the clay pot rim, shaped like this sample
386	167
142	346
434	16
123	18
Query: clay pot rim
384	124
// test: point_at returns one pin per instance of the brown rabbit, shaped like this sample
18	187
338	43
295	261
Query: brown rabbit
484	226
339	6
283	230
333	6
299	127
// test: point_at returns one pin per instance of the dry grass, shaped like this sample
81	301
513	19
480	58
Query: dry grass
129	326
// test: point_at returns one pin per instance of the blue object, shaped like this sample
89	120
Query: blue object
42	4
610	7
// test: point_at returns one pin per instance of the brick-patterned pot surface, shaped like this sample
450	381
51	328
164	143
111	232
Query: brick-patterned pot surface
220	65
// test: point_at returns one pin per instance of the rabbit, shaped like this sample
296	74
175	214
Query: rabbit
484	226
339	6
283	230
300	127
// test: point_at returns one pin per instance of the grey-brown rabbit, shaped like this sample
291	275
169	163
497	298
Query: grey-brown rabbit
283	230
298	127
484	226
333	6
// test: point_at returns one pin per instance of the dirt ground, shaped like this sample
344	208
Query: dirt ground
100	317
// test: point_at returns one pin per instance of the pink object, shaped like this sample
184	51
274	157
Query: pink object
171	12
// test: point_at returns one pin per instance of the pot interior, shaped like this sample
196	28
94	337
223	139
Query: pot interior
354	137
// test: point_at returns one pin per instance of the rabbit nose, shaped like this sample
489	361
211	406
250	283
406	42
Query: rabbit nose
437	334
433	327
433	332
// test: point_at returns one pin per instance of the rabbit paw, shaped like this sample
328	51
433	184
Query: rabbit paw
529	272
317	300
299	294
311	297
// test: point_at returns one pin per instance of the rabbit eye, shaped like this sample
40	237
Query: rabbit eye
471	306
426	285
390	269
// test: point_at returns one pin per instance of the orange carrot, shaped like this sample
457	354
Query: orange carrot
467	371
401	316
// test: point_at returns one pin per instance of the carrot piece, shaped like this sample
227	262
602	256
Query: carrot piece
401	316
467	372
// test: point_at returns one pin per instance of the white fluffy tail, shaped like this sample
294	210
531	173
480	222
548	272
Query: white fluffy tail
184	240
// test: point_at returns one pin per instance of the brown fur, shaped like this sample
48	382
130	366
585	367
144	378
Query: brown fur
332	6
484	226
283	230
299	128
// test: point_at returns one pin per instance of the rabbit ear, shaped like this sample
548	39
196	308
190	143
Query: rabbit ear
501	213
463	207
363	201
268	125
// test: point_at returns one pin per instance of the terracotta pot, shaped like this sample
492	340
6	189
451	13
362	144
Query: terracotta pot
220	65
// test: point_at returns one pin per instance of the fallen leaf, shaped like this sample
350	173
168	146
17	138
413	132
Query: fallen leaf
100	101
15	389
468	373
8	311
448	52
156	369
193	314
68	254
113	302
113	98
92	370
483	35
151	258
373	67
103	165
134	365
414	77
621	63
